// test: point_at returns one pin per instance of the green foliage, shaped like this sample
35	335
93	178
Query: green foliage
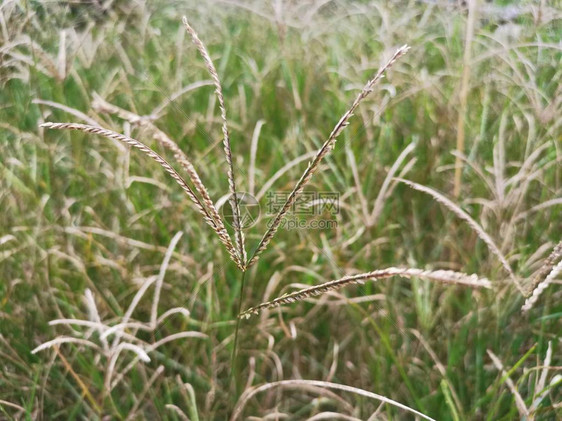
81	212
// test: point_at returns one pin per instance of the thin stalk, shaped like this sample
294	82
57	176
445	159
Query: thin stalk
233	364
463	94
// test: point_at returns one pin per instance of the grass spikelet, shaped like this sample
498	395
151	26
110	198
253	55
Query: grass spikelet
445	276
226	138
547	267
440	198
326	148
223	236
530	302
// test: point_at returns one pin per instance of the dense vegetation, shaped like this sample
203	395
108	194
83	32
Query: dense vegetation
86	223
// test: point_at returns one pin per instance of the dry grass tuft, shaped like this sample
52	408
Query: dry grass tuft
123	339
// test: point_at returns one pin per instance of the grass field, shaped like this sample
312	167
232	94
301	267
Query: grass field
130	301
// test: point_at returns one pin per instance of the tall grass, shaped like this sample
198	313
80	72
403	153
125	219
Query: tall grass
87	239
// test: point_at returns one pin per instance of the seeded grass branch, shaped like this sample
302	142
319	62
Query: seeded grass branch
226	139
181	158
222	234
551	269
547	266
440	198
445	276
326	148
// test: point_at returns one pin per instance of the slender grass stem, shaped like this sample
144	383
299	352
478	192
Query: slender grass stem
233	364
463	94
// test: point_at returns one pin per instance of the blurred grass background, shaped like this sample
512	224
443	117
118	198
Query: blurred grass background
81	212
